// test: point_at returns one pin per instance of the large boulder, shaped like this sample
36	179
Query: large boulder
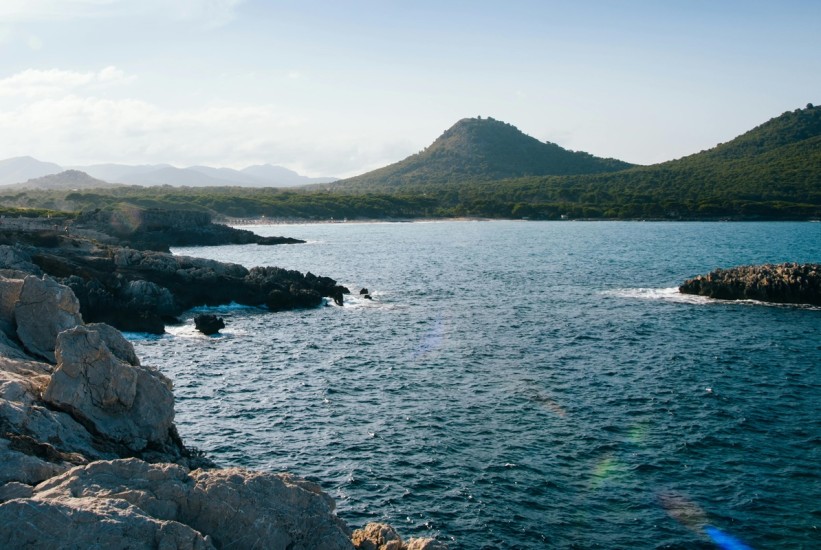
99	381
231	508
44	309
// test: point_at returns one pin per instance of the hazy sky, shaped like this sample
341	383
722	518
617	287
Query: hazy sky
341	87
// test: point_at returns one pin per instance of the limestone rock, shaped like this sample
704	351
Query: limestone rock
11	349
14	259
44	309
90	523
381	536
127	403
14	489
377	536
233	507
9	296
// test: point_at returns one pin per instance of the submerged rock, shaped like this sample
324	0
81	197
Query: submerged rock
788	283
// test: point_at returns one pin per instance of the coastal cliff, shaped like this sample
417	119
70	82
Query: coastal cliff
788	283
90	455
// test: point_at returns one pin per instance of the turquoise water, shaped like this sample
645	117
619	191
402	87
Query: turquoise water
524	384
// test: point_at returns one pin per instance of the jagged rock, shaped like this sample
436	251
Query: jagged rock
44	309
381	536
95	382
10	290
363	291
23	468
90	523
14	259
209	324
425	544
233	507
9	348
377	536
15	489
788	283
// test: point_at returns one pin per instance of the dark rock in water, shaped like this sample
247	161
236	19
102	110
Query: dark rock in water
367	297
209	324
788	283
364	291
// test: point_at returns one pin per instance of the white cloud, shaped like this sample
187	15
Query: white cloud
54	82
209	12
83	130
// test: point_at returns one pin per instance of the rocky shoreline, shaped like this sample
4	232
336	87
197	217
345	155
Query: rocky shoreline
89	452
143	290
788	283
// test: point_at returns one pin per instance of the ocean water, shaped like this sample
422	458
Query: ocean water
523	384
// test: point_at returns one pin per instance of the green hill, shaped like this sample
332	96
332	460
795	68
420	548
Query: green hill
476	149
475	169
772	171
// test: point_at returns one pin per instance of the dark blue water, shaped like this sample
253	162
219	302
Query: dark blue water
524	385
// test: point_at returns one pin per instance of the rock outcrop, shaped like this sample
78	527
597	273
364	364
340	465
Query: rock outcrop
230	508
788	283
380	536
90	457
141	291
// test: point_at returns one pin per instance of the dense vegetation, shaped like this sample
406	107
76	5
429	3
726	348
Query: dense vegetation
476	149
770	172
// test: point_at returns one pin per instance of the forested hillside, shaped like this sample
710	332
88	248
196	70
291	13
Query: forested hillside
771	172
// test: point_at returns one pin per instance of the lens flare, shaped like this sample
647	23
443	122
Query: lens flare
692	516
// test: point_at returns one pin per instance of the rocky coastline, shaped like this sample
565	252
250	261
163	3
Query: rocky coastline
143	290
89	452
787	283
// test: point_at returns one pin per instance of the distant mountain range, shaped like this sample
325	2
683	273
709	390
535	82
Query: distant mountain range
20	170
67	180
482	149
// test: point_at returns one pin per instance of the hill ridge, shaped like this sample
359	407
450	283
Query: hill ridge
483	149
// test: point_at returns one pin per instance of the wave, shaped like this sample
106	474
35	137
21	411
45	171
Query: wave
673	295
665	294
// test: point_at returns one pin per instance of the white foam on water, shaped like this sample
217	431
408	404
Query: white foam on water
670	294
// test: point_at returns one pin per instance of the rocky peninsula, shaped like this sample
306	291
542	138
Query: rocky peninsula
142	290
89	452
788	283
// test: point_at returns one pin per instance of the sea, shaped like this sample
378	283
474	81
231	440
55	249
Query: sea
518	384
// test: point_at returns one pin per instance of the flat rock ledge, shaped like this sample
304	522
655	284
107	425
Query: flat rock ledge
788	283
90	456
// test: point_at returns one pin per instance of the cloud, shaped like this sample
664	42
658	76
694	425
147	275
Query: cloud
73	129
74	117
53	82
209	12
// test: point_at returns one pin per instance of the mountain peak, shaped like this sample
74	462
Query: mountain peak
483	149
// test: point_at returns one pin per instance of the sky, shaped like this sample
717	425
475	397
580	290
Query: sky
338	88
